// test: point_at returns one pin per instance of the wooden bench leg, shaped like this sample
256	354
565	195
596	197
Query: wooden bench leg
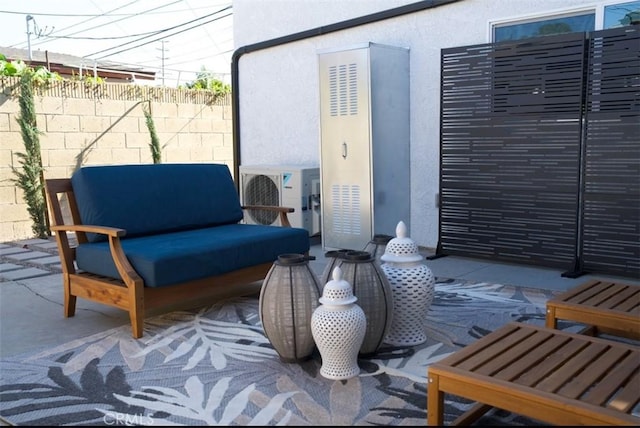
435	402
69	299
137	326
136	314
551	321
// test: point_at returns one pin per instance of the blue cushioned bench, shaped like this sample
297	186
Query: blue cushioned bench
156	237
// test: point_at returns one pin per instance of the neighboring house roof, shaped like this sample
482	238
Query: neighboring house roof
70	65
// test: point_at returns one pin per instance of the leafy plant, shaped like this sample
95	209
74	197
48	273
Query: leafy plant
11	68
40	75
31	178
205	80
87	78
156	153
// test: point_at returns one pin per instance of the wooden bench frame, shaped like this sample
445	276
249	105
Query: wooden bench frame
603	306
130	293
546	374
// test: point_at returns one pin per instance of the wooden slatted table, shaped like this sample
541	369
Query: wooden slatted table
546	374
610	307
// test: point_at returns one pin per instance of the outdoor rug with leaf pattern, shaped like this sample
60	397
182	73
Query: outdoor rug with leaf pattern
215	366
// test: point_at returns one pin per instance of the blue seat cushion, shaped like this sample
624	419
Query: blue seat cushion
177	257
147	199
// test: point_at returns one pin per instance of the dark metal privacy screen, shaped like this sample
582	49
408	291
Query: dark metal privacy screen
611	208
513	185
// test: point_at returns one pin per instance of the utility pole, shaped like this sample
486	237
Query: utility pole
163	57
37	31
29	18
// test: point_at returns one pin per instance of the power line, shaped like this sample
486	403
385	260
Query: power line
219	48
52	36
106	14
88	15
100	38
160	32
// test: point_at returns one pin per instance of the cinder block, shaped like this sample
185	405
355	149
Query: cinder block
62	123
79	107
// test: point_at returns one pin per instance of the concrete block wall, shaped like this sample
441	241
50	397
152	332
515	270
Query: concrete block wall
101	131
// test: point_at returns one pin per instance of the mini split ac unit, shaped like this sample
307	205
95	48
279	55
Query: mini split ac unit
297	187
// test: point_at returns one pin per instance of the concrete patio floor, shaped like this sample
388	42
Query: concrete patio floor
31	297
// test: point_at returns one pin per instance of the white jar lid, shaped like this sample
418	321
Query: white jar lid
337	291
401	249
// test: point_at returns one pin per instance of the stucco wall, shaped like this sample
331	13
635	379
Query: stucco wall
278	87
97	131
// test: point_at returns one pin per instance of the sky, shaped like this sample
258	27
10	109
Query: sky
177	37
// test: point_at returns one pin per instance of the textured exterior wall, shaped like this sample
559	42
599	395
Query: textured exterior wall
90	130
278	87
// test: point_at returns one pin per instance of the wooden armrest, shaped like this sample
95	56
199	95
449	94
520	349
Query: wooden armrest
105	230
127	273
284	219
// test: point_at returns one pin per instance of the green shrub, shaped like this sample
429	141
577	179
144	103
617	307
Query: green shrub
206	81
154	145
30	178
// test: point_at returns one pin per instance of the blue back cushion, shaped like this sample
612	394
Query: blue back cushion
156	198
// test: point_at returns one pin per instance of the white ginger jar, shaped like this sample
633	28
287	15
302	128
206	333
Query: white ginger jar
338	327
412	286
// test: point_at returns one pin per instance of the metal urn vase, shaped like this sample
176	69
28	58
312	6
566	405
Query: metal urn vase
338	326
413	286
371	287
288	297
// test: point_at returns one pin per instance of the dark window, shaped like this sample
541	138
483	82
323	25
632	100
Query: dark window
623	14
545	27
